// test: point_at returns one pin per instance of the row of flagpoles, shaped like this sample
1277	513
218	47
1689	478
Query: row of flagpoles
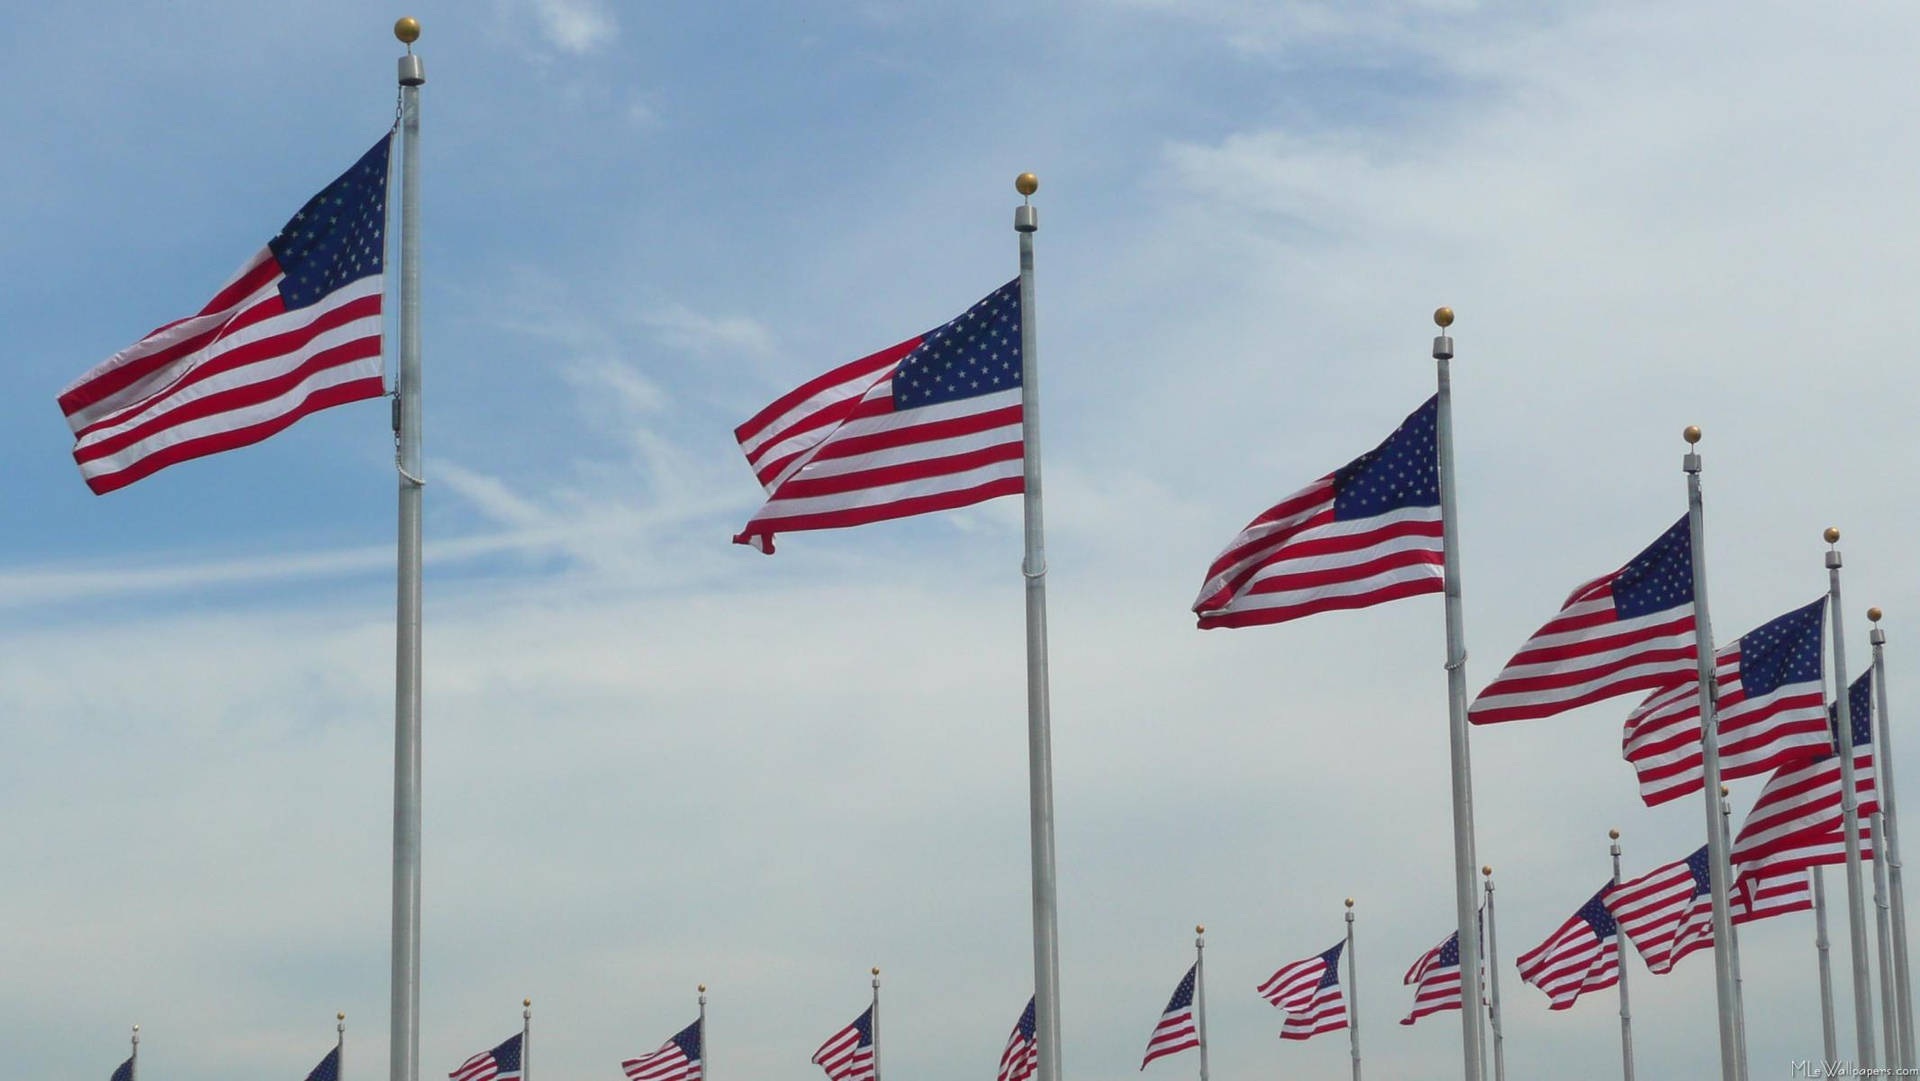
951	417
1659	911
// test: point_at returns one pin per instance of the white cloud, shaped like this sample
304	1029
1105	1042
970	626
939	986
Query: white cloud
575	26
681	327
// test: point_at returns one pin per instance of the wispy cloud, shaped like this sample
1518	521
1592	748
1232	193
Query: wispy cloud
683	328
575	26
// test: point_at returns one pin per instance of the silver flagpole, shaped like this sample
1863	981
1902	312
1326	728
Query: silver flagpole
526	1039
706	1074
1710	758
1883	769
1046	924
1850	820
1733	945
133	1071
1465	908
1829	1030
1883	936
1493	986
1353	995
1200	991
873	1023
1620	960
404	1047
339	1047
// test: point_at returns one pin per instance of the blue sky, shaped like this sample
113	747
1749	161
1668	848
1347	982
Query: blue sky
655	759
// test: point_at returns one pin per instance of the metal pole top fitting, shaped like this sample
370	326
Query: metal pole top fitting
1877	636
1025	218
412	72
1443	344
1692	436
1349	910
1833	554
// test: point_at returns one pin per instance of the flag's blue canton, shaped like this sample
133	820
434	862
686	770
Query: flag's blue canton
1182	995
975	354
124	1072
688	1040
864	1025
1450	953
1597	917
507	1056
1860	705
1659	578
1786	650
329	1068
1698	864
1026	1021
1404	471
340	236
1332	959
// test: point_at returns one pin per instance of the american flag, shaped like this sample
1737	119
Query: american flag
1796	822
929	424
1758	894
1309	992
1583	955
123	1072
1631	630
1435	979
1365	533
1021	1059
1771	710
1176	1031
677	1060
1667	912
500	1064
329	1068
848	1054
295	331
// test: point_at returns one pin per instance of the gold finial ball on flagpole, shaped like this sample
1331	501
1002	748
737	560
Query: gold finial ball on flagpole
1443	317
407	29
1487	870
1832	534
1692	434
526	1002
1613	835
703	988
1873	615
1199	928
876	970
1026	183
1723	790
340	1016
1349	902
